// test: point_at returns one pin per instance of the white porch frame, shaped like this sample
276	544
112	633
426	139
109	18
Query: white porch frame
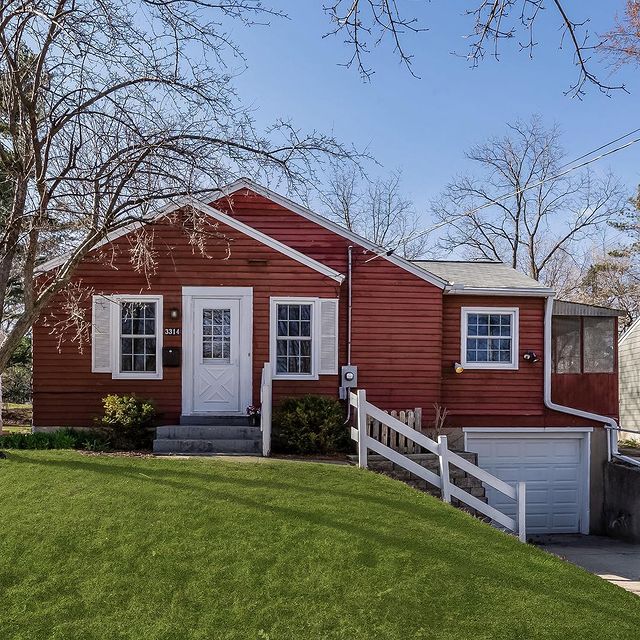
245	297
549	433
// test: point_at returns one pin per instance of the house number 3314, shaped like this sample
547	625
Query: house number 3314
172	331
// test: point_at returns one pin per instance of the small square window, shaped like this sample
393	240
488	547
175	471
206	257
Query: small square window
489	339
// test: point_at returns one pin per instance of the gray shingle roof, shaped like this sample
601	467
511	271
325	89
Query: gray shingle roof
480	275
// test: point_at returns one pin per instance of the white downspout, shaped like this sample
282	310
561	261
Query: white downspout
610	424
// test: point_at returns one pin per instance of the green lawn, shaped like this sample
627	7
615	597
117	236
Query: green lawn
114	547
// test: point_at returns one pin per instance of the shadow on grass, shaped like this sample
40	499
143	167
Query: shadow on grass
472	550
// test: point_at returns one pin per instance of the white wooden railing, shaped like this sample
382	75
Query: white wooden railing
446	457
265	408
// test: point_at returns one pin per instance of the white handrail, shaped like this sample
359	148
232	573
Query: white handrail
446	457
265	408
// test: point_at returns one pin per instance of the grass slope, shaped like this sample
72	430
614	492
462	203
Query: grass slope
112	547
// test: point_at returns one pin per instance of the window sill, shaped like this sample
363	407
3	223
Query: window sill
478	366
293	376
137	376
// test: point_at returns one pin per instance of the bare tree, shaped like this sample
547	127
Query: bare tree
612	281
622	43
109	108
523	208
367	23
376	210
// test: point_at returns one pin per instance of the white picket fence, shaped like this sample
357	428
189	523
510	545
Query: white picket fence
446	457
266	408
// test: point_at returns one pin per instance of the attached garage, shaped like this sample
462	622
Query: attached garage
554	464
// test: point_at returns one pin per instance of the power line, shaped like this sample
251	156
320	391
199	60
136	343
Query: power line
423	232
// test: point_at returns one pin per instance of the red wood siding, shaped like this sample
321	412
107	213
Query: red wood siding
406	334
65	390
397	317
396	321
509	398
482	392
596	392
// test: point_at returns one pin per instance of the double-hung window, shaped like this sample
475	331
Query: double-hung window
294	338
304	337
138	331
489	338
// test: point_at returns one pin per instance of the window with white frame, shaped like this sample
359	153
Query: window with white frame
138	328
294	338
304	337
489	338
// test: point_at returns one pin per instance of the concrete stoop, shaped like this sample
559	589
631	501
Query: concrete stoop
430	461
208	439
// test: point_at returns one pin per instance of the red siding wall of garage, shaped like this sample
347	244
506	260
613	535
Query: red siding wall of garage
509	398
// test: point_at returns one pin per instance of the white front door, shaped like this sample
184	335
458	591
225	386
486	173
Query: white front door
217	376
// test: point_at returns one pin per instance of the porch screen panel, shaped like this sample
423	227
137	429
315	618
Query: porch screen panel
566	344
598	336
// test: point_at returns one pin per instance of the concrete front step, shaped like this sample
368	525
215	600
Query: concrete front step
208	432
238	421
207	446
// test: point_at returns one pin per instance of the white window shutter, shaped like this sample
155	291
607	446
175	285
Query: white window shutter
328	337
101	335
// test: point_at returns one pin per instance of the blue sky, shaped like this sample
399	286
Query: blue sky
423	126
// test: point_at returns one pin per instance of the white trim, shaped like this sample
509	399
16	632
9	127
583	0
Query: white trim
243	228
315	337
245	296
246	183
542	430
550	433
499	291
116	326
502	366
628	331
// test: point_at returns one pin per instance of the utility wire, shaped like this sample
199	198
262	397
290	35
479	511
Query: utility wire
571	167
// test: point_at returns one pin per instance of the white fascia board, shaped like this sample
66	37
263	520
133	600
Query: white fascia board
630	329
220	217
516	431
245	183
114	235
502	291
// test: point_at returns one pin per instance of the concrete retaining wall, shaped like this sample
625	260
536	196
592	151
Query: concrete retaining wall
622	501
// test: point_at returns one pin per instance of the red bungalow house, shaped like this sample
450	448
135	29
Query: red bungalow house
289	288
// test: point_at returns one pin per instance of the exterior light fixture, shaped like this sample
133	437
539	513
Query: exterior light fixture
457	367
531	357
174	314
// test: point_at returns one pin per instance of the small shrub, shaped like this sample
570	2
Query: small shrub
16	384
129	420
60	439
311	424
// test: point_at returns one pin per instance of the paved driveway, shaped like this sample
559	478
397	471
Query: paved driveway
613	560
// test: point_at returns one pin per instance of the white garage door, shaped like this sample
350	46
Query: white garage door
552	468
